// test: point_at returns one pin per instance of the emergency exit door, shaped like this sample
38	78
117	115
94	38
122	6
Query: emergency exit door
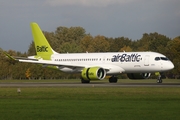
146	60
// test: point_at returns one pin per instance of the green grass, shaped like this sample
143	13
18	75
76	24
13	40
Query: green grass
48	103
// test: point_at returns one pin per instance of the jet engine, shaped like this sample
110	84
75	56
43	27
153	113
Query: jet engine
93	73
138	75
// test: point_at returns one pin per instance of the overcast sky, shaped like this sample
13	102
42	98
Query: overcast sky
111	18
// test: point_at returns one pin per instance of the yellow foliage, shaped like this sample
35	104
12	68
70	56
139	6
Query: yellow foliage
28	73
125	49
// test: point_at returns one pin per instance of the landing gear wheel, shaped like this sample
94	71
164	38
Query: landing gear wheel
113	79
84	81
159	80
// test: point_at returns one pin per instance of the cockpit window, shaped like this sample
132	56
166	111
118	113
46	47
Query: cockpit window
157	58
164	58
161	58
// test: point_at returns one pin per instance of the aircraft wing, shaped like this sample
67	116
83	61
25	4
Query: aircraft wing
62	64
48	62
68	65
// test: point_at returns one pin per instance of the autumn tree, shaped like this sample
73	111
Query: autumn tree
70	47
100	44
158	42
142	44
173	52
125	49
117	43
86	44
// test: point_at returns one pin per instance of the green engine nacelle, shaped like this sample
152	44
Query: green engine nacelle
93	73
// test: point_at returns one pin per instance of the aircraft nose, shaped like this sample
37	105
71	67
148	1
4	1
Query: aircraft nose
170	65
167	66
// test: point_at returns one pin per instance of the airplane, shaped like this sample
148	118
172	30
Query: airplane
96	66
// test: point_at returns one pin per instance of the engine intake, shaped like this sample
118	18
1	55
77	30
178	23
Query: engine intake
93	73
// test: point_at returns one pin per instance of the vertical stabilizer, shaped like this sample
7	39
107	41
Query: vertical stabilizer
43	48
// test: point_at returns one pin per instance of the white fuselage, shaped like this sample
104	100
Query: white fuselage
114	62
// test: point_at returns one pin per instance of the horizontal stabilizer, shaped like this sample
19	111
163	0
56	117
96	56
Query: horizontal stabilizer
14	58
9	56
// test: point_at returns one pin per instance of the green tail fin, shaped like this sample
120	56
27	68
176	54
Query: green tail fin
43	48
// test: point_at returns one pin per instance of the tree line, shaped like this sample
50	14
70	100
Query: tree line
76	40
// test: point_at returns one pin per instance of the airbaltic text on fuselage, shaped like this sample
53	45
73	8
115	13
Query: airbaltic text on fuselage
42	49
126	58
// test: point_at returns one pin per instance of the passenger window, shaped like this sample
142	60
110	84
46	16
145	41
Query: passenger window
157	58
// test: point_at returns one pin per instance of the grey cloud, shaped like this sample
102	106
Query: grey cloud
111	18
96	3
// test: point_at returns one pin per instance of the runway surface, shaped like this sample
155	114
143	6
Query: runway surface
89	85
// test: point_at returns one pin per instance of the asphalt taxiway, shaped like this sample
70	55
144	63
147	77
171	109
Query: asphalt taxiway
89	85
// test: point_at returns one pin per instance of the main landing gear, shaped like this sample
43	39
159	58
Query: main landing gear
113	79
84	81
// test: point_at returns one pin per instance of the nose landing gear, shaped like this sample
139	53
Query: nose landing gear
159	79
